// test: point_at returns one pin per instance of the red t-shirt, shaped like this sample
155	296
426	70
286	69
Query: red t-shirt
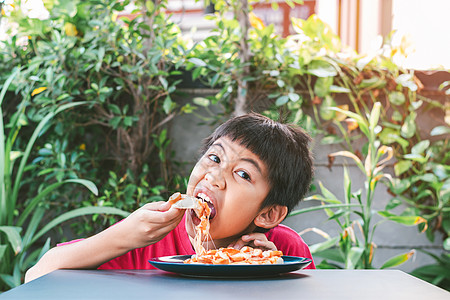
177	243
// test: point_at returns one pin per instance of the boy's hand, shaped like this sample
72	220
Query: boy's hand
254	240
148	224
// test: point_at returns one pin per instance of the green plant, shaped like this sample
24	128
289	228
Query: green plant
22	226
437	273
244	59
122	192
123	66
357	216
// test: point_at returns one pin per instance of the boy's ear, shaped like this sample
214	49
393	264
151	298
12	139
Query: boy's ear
271	216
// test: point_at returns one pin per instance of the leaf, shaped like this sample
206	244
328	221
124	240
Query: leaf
326	111
440	130
115	122
339	89
353	257
201	101
329	196
319	207
198	62
408	128
2	251
393	203
374	116
347	186
49	189
350	155
331	139
275	73
214	79
114	108
86	183
6	85
256	22
331	254
32	226
397	260
415	157
315	230
196	73
446	244
361	63
77	213
372	83
398	185
294	97
280	83
44	248
9	280
128	121
70	29
13	155
420	147
13	237
389	136
428	177
322	86
397	98
321	68
324	245
38	90
164	82
407	80
440	171
150	6
385	150
402	166
167	105
281	100
405	220
363	125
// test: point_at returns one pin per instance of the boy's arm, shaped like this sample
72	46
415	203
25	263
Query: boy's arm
144	227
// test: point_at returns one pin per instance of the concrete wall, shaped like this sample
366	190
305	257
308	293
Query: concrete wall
391	239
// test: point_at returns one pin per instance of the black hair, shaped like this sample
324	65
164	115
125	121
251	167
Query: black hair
284	148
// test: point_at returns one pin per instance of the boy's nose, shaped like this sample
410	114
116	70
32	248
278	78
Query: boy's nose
215	178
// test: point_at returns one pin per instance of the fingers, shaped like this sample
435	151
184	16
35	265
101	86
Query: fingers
264	245
162	215
255	240
157	206
149	224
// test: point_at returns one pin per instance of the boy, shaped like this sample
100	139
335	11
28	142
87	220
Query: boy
253	171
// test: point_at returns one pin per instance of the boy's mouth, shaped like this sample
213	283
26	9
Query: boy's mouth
208	201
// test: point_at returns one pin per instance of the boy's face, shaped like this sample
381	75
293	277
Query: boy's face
235	181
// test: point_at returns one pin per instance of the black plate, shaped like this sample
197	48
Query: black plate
175	264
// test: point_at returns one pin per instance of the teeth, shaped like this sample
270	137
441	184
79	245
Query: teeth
204	197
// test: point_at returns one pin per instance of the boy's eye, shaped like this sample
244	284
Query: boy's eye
214	158
244	175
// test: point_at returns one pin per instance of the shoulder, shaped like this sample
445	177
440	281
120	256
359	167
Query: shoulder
288	240
290	243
